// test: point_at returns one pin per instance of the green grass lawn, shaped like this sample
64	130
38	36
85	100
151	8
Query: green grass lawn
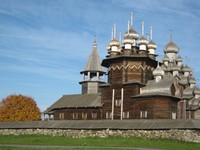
110	141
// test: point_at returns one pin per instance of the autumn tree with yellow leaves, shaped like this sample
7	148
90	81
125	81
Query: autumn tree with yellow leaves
19	108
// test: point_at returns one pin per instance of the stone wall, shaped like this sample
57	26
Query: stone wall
183	135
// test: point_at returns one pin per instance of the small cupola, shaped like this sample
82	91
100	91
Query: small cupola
171	49
158	73
175	69
186	70
151	45
131	33
143	42
165	60
128	39
179	60
114	45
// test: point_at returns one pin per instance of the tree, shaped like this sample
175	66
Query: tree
19	108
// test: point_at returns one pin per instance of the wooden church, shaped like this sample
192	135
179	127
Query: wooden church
137	86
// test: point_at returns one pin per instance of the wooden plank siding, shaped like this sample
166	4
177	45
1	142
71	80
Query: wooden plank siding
82	114
156	107
123	70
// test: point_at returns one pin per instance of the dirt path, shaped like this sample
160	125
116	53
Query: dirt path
72	147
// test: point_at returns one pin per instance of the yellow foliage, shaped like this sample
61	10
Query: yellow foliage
19	108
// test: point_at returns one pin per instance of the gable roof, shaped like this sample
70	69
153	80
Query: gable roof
188	93
163	86
75	101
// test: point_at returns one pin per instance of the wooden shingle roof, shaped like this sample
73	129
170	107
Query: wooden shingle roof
94	62
76	101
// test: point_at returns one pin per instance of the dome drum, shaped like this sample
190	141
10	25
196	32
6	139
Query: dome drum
151	51
128	52
114	53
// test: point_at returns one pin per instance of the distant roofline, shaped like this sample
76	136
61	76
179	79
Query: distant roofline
99	81
133	82
155	95
93	71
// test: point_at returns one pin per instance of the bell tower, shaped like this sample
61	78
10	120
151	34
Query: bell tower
93	74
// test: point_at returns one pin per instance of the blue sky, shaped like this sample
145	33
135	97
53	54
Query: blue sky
44	44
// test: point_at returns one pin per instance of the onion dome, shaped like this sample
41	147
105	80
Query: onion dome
151	45
128	39
196	91
114	42
179	59
171	47
158	71
192	80
132	33
165	58
186	69
142	41
175	68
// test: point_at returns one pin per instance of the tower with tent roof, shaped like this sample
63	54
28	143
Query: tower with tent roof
93	74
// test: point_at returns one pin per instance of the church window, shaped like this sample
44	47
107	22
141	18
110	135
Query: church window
75	115
108	115
117	102
61	116
94	115
173	114
143	114
84	116
126	114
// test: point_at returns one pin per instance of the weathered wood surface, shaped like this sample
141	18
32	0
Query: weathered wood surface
137	124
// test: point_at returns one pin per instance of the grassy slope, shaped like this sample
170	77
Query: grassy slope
111	141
